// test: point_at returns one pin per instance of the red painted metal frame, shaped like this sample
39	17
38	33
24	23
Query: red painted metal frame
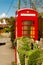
15	55
19	20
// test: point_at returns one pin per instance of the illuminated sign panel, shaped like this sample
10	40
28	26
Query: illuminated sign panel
28	15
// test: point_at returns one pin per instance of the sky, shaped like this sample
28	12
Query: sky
4	7
9	7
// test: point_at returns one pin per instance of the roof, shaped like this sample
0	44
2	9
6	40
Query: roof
25	10
4	25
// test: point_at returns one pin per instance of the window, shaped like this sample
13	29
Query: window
28	28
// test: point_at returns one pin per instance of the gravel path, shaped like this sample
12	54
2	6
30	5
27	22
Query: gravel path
6	52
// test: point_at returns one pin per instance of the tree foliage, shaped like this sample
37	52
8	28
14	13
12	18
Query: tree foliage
11	23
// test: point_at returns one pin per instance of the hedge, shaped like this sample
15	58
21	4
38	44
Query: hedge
24	46
33	56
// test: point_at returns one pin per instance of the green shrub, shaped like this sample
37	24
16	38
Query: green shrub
6	29
14	63
22	59
12	34
33	55
24	45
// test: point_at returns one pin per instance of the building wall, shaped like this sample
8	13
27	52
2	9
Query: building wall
41	27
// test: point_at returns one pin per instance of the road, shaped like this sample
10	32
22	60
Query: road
6	52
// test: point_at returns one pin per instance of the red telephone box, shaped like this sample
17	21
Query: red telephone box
27	23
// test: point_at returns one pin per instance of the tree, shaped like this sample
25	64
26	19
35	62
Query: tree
12	20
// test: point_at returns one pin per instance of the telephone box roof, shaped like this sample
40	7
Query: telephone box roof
26	9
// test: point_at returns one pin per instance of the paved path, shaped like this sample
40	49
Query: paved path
6	52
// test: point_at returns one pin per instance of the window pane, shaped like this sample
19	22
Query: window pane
26	28
26	32
27	22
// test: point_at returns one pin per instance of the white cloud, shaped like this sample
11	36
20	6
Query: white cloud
3	15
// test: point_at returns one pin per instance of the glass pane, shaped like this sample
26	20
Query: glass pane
32	36
27	22
32	28
32	32
26	32
26	27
